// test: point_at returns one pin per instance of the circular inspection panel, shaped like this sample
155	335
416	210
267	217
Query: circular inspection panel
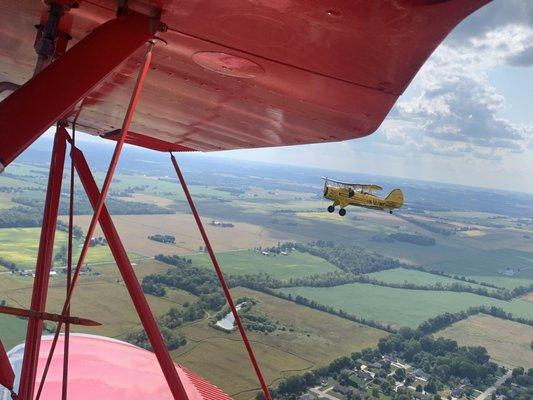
227	64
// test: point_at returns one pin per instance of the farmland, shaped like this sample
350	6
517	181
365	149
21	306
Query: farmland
267	205
507	342
134	231
317	339
401	306
102	298
401	275
20	245
293	265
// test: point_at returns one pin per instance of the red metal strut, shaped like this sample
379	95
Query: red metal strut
43	265
101	215
130	280
52	93
221	279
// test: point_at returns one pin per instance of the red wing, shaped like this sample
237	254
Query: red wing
237	74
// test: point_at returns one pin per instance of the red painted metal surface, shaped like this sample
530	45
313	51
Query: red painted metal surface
130	280
147	142
51	94
103	368
7	375
222	280
320	71
44	264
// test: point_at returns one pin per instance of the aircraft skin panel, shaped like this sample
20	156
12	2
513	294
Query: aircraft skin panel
106	368
245	74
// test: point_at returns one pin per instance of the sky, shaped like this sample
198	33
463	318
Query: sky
466	118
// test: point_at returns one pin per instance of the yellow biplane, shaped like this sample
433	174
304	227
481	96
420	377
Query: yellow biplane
356	194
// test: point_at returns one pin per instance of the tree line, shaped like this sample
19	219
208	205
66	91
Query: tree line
351	259
162	238
450	287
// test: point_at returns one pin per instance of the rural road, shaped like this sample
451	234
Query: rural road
496	385
323	394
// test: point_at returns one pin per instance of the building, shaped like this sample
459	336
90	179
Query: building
457	392
341	389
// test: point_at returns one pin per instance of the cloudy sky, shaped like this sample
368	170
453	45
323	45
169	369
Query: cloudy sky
467	116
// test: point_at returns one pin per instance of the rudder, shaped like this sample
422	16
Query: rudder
395	197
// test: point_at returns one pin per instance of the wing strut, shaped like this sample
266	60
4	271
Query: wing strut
222	280
101	215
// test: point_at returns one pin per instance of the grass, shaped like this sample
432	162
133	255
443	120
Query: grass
507	342
5	201
20	245
317	339
12	330
402	306
293	265
401	275
96	298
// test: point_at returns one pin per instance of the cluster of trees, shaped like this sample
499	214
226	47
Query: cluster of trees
163	238
251	319
408	238
201	282
519	386
451	364
286	247
77	232
172	339
348	258
98	241
20	217
174	318
442	358
8	264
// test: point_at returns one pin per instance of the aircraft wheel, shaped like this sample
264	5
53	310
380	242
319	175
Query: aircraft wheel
331	209
342	212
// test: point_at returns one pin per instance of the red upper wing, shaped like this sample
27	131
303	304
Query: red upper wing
242	74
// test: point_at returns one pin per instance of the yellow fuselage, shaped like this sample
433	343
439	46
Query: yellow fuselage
345	196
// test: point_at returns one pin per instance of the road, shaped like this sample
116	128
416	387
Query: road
496	385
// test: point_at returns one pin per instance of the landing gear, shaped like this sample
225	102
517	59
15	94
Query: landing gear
342	212
331	209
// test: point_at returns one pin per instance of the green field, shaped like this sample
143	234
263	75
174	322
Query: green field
20	245
293	265
454	257
12	330
402	275
402	306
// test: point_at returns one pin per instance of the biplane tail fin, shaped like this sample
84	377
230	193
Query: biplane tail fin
395	197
